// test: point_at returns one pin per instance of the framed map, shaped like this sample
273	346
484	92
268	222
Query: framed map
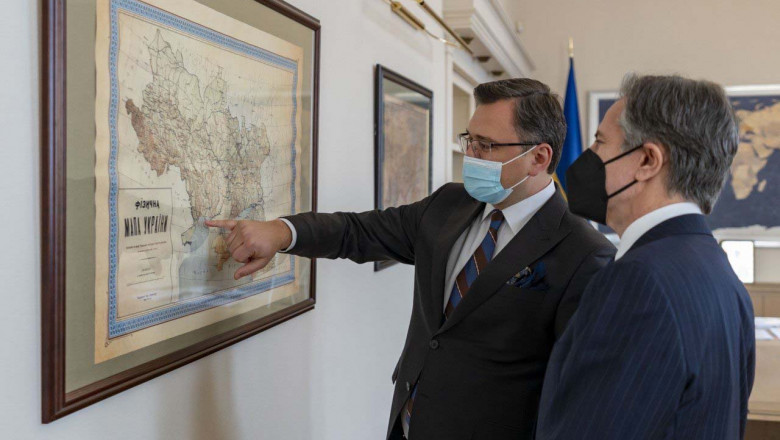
747	208
197	110
403	126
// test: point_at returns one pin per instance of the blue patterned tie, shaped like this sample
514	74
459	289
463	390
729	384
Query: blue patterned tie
476	263
463	281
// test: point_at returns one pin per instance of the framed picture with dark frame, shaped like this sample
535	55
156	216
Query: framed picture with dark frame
158	115
403	133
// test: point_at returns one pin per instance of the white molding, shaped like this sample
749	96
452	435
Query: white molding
465	73
752	89
468	67
504	16
460	81
448	102
488	22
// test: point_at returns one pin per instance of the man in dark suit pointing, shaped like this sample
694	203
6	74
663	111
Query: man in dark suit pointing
662	346
500	265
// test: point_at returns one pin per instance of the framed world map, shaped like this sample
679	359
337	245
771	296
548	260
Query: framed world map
177	112
747	207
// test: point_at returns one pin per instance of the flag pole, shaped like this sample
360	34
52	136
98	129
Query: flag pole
572	144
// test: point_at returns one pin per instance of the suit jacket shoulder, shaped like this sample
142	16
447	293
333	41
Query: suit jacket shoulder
588	237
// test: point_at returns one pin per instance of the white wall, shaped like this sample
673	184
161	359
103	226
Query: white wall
733	42
324	375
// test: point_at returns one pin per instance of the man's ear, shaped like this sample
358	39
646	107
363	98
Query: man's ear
542	155
652	162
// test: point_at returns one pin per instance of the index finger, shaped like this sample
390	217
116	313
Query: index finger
227	224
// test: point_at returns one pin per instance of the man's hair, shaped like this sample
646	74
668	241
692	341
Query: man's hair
538	113
695	123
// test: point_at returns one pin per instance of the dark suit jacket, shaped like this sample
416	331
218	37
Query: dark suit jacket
662	346
480	374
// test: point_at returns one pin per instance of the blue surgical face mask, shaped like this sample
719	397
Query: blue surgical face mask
482	178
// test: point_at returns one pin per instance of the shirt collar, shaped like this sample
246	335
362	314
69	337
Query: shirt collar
517	215
640	226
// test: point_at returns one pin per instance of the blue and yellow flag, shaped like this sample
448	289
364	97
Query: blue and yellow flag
572	146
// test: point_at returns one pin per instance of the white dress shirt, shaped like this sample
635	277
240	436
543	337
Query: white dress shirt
515	217
650	220
294	234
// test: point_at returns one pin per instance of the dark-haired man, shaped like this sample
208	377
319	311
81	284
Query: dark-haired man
663	345
499	268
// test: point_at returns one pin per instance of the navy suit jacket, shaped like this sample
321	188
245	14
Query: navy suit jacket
661	347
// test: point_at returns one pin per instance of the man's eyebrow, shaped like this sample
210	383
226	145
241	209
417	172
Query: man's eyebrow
481	137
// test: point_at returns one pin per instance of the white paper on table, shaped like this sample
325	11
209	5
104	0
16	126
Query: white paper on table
763	335
767	322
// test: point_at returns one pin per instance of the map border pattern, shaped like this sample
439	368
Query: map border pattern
122	327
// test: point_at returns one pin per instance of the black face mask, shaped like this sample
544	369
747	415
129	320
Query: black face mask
586	181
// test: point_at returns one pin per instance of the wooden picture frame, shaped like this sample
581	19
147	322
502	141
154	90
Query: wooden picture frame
59	397
412	107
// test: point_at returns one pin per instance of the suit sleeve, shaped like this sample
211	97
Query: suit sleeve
619	372
376	235
571	296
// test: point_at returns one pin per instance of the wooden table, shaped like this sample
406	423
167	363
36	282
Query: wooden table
764	401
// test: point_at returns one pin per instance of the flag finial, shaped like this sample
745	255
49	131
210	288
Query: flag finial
571	47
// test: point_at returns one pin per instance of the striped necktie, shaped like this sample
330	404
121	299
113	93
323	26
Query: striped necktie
476	263
463	282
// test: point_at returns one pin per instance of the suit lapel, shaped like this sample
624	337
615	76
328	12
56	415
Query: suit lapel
541	234
458	220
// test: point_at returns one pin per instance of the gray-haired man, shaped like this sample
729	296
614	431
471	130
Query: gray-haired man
662	346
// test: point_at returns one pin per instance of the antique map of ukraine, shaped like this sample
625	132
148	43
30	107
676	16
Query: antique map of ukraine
200	126
218	156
